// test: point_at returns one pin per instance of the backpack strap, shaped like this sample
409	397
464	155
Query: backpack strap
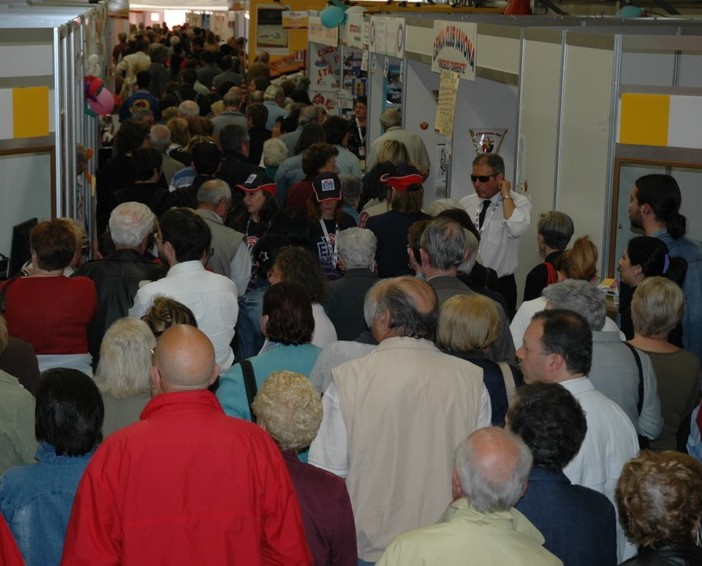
247	371
639	405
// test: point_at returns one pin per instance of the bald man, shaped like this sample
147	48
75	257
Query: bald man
186	484
489	477
393	418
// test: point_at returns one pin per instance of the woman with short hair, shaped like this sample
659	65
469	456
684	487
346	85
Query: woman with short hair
288	324
656	308
124	372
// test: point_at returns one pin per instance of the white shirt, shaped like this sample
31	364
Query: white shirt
211	297
499	238
528	309
609	443
324	331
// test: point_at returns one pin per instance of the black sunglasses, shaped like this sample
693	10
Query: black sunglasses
482	178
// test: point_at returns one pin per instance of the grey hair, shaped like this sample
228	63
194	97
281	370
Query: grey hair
189	108
445	243
125	358
214	191
491	477
272	92
350	188
232	98
140	113
472	246
390	117
439	205
160	137
580	297
130	223
309	114
274	152
356	247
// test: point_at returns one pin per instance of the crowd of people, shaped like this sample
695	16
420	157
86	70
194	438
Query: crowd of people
277	359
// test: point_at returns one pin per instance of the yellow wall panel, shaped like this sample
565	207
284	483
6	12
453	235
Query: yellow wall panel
30	112
644	119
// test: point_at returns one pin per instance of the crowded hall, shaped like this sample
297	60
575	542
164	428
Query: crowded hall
279	333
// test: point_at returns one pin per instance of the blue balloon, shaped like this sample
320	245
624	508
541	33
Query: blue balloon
332	16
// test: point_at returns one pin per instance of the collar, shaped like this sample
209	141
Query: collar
547	474
47	453
406	342
166	401
578	385
194	265
605	336
208	214
359	272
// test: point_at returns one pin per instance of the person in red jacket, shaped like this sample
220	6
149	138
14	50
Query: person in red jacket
187	484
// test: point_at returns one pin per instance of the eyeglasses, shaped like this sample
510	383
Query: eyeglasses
482	178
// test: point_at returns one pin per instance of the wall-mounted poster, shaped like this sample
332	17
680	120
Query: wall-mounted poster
392	84
270	35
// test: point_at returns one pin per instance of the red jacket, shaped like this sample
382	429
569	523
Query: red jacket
186	485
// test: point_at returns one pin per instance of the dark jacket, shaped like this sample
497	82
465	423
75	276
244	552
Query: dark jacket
674	555
116	279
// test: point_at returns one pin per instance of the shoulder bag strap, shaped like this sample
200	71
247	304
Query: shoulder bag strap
639	405
508	378
250	384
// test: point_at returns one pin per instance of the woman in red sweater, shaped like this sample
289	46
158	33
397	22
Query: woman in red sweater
47	309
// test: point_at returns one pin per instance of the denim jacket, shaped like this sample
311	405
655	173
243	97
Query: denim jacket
691	252
36	502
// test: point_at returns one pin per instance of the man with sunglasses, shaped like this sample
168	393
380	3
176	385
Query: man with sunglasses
501	217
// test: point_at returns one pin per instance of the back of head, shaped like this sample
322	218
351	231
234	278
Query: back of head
493	467
357	247
444	242
274	152
187	233
54	243
233	98
390	117
160	137
580	297
184	359
651	254
146	162
188	108
659	499
662	194
657	307
309	114
316	156
125	358
336	128
130	136
393	151
411	305
180	132
130	224
213	192
350	189
468	323
258	114
206	158
556	228
232	136
579	261
300	265
69	412
289	314
311	134
143	79
289	408
550	421
567	334
166	312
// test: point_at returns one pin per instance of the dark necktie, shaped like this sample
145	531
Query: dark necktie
483	212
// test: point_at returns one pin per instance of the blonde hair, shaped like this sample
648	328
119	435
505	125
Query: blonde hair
657	307
579	261
468	323
125	358
289	407
393	151
180	131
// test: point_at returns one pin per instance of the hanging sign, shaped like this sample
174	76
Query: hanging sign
454	48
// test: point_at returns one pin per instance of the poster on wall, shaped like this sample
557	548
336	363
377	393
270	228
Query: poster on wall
392	85
270	35
454	48
324	74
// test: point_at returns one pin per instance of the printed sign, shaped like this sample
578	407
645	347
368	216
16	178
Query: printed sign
454	48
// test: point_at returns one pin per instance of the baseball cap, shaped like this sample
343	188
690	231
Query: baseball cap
406	178
327	186
258	182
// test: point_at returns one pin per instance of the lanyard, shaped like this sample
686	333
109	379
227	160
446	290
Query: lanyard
331	253
488	216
